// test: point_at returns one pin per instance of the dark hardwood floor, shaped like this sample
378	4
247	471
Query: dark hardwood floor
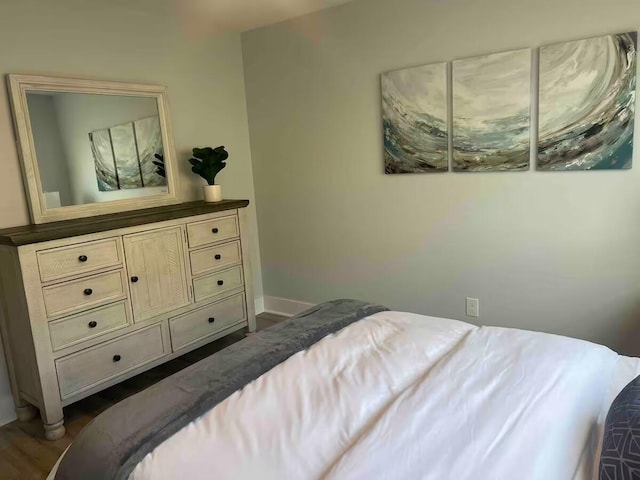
26	455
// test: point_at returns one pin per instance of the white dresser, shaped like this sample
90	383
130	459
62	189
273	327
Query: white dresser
88	303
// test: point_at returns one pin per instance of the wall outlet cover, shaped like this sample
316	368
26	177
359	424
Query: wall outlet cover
473	307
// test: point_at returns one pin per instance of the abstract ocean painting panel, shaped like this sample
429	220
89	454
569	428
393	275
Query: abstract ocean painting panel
106	175
491	112
149	141
414	112
126	155
587	103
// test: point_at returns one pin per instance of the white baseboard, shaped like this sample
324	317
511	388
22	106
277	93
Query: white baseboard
284	306
259	302
8	417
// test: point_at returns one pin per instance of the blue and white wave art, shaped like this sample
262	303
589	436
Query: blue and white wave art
149	142
587	103
414	112
491	112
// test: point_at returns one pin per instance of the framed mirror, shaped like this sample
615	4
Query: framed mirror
92	147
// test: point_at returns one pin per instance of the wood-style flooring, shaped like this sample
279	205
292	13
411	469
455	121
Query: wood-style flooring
26	455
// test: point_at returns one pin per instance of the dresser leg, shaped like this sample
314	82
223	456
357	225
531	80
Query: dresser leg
54	431
251	327
26	413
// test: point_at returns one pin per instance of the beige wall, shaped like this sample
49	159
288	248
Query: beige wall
556	252
113	40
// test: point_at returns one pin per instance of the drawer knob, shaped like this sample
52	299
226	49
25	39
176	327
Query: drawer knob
211	319
117	358
134	279
83	258
220	282
88	291
93	324
214	230
218	256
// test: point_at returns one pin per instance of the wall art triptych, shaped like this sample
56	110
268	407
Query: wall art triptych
585	119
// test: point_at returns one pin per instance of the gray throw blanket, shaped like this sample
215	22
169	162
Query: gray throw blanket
113	444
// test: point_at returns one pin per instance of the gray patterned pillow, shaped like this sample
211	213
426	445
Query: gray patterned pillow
620	457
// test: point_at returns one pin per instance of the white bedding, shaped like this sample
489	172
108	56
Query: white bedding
400	395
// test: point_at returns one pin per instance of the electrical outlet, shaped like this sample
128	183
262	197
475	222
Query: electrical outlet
473	307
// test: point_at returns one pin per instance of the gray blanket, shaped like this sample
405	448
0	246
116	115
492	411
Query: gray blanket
113	444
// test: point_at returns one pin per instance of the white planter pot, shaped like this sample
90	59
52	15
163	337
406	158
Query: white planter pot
212	193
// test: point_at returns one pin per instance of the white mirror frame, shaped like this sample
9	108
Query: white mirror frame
19	85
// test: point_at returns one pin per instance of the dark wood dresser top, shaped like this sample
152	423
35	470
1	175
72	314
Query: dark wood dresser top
44	232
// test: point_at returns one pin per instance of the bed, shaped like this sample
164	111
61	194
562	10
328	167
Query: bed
352	390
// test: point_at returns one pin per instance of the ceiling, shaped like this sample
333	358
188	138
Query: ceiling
241	15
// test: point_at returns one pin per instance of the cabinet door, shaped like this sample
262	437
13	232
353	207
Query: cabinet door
157	273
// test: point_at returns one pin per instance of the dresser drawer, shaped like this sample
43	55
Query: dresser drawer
103	362
215	258
217	283
79	328
201	323
210	231
64	262
78	295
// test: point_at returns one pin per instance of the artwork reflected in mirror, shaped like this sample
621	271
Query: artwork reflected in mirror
96	148
124	155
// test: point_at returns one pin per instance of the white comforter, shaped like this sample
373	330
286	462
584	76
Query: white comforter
404	396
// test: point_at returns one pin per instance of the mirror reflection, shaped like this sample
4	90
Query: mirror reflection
96	148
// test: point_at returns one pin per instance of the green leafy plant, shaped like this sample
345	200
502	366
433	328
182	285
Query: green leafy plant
207	162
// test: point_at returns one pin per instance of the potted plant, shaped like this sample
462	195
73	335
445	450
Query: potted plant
208	162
